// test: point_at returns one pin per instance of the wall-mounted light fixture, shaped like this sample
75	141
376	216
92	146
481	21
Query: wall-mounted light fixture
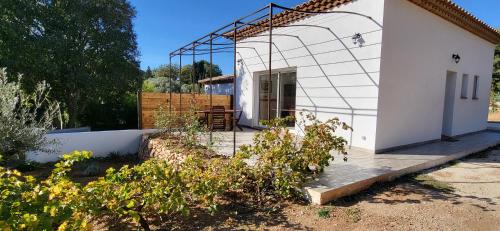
357	39
456	58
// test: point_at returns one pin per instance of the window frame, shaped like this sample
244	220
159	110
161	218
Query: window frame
475	89
464	90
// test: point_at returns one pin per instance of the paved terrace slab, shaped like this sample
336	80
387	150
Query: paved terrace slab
364	169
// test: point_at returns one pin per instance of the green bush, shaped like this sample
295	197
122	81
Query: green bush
25	118
284	162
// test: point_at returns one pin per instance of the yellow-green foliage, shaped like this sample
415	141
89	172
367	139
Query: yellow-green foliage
26	204
130	193
284	162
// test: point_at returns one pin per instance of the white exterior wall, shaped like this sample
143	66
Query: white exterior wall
100	143
417	50
220	88
338	86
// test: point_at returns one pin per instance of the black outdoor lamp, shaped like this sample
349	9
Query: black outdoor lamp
357	38
456	57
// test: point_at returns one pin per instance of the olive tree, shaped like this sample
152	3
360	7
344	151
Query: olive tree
24	118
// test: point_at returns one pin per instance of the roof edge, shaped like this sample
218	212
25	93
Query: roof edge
446	9
457	15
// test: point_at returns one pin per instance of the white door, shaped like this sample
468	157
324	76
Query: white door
449	103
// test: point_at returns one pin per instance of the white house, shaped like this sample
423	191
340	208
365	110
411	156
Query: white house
220	85
400	72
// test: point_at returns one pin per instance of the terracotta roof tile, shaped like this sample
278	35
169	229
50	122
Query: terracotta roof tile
443	8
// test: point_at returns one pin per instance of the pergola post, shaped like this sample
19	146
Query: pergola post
170	90
193	70
180	82
210	75
235	37
270	85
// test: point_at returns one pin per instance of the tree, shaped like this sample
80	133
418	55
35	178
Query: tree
85	49
24	118
161	77
496	70
201	71
148	74
164	71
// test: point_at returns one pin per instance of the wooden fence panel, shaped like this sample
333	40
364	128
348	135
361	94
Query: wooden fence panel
149	103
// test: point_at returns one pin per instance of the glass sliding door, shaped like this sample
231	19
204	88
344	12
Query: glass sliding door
268	96
288	86
277	98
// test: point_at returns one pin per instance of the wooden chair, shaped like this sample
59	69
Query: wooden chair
218	118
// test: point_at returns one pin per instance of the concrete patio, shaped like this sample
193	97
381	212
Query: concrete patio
364	169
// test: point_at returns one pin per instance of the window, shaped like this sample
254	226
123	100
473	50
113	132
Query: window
475	89
465	85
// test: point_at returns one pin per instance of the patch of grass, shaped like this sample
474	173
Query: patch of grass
354	214
324	213
430	182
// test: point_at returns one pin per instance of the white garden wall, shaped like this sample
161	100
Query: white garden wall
100	143
416	55
330	81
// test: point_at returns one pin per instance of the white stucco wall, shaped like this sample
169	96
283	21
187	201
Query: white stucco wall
330	82
100	143
416	55
220	88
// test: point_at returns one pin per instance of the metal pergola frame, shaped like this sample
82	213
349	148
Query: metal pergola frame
230	32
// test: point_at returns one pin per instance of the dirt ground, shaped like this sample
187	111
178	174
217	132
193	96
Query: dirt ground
463	195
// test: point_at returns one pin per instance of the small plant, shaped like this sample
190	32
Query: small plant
324	213
184	129
354	214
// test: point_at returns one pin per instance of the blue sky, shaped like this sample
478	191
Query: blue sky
166	25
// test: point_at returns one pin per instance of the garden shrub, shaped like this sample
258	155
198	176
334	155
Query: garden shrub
26	204
284	162
156	187
131	193
25	118
184	129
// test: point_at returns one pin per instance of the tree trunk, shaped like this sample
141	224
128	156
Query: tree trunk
144	223
74	108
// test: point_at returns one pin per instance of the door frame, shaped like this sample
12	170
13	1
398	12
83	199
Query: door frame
450	95
256	89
